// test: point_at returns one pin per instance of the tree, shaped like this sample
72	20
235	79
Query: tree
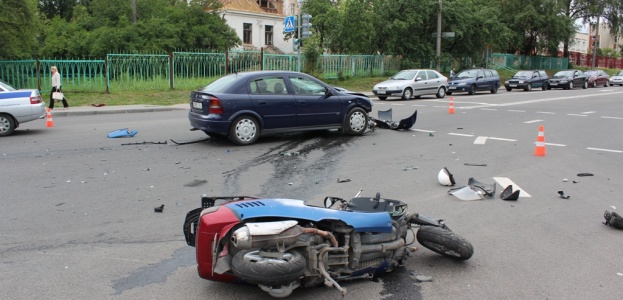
53	8
18	28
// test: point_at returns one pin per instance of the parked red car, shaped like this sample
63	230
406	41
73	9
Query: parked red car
597	78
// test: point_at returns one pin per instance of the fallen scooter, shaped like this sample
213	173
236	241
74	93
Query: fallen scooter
283	244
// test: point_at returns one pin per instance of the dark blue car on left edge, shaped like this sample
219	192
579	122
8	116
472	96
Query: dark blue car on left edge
243	106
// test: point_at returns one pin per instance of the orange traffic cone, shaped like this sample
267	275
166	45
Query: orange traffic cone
451	107
49	122
539	150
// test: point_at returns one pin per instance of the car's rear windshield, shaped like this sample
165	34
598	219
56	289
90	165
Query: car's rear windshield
220	84
590	72
6	86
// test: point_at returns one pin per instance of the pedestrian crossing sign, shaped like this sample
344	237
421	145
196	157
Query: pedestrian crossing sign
288	24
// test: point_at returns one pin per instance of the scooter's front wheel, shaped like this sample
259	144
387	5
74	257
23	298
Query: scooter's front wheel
253	267
444	242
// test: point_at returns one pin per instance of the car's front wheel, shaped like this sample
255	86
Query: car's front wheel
441	92
449	93
570	85
528	87
407	94
7	125
494	90
356	122
245	130
509	89
472	89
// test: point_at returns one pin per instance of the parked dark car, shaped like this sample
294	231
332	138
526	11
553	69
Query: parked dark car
568	79
243	106
527	80
597	78
473	80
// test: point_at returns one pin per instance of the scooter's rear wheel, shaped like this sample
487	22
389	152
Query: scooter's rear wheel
252	267
444	242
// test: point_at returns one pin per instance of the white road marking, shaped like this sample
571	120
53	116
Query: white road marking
557	145
419	105
577	115
588	112
397	104
461	134
505	181
481	140
421	130
516	110
605	150
489	109
441	106
616	118
502	139
546	112
533	121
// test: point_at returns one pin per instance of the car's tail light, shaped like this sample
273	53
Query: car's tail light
215	106
35	99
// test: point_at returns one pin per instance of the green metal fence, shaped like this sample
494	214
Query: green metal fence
178	70
530	62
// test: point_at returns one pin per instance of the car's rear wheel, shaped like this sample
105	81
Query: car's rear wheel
528	87
245	130
382	98
407	94
546	86
607	84
585	86
7	125
494	90
441	92
472	89
356	122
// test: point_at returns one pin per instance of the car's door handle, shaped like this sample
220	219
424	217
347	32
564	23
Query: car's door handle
303	102
261	102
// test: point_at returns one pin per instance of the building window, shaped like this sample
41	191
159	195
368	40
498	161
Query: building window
247	33
268	34
292	9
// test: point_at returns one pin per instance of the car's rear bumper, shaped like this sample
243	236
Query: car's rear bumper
209	123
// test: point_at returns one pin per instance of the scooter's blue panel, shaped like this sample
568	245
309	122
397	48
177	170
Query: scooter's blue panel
296	209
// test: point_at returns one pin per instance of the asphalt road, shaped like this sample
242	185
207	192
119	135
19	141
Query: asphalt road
77	218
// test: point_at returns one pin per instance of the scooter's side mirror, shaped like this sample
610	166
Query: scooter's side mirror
328	202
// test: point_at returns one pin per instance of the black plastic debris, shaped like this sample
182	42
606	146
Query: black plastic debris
508	194
159	209
576	181
613	219
585	174
430	134
487	189
195	182
186	143
385	121
407	168
475	165
562	195
343	180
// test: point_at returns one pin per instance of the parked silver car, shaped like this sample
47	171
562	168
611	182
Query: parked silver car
412	83
617	79
18	106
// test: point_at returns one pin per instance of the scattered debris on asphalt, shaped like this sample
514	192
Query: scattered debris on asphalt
159	209
508	194
576	181
385	121
290	153
192	142
466	193
60	204
122	133
423	278
407	168
430	134
487	189
475	165
565	180
562	195
585	174
613	219
145	143
445	177
342	180
195	183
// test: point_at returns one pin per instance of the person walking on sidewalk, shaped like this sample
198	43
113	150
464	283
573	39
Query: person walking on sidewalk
56	87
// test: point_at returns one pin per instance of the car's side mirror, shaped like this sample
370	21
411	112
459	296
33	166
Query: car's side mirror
418	78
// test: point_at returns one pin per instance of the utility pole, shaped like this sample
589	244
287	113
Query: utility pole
134	12
299	22
439	38
595	44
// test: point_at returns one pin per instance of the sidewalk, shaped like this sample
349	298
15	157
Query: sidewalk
118	109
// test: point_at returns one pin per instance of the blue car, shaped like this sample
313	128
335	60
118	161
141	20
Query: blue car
243	106
472	80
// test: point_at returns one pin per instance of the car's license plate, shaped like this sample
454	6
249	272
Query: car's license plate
452	87
381	92
512	85
197	105
553	83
